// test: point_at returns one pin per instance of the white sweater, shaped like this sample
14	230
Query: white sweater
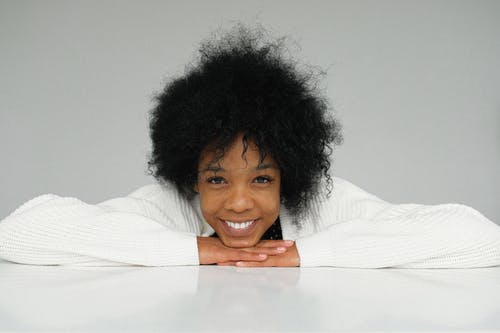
154	226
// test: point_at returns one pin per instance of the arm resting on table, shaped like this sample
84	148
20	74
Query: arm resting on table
53	230
407	236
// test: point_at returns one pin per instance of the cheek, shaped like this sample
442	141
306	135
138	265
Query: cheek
209	204
274	208
270	204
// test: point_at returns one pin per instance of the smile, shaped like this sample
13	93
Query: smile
238	229
239	225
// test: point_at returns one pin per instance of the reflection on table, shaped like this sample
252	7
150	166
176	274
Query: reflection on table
211	298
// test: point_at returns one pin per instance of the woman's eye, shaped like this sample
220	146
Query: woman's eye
262	180
216	180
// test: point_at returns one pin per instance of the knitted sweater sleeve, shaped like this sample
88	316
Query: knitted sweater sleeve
361	231
132	230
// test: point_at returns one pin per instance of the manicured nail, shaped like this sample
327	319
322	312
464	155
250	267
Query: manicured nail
281	249
263	256
239	263
289	242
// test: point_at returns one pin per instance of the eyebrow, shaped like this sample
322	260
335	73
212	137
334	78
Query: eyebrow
218	168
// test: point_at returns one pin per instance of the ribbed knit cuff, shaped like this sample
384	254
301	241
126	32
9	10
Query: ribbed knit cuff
315	250
185	252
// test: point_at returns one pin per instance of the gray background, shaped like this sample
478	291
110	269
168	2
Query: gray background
415	83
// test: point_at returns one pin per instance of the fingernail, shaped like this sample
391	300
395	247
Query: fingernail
281	249
263	256
239	263
289	242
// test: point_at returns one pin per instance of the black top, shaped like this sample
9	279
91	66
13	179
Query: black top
274	232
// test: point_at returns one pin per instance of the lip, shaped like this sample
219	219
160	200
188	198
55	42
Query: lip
238	232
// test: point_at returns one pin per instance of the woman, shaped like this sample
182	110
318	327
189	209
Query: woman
241	147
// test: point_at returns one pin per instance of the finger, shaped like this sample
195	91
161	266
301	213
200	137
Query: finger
286	260
229	263
272	251
241	255
252	264
275	243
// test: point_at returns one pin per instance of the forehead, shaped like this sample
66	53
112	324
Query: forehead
237	155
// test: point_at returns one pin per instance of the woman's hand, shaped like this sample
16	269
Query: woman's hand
265	253
290	258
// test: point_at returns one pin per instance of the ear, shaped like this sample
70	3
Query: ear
195	188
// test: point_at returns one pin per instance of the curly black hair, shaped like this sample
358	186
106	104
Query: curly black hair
242	83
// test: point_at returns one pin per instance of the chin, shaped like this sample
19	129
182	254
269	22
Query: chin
239	243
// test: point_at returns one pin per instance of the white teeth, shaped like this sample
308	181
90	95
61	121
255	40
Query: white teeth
241	225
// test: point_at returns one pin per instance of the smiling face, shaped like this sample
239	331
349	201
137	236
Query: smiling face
239	193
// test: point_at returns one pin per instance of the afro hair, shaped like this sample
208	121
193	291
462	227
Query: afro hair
242	83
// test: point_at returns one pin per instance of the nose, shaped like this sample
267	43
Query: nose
239	200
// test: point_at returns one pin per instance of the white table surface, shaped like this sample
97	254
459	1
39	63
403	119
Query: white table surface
222	299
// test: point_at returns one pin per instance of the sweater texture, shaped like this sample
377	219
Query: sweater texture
155	226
